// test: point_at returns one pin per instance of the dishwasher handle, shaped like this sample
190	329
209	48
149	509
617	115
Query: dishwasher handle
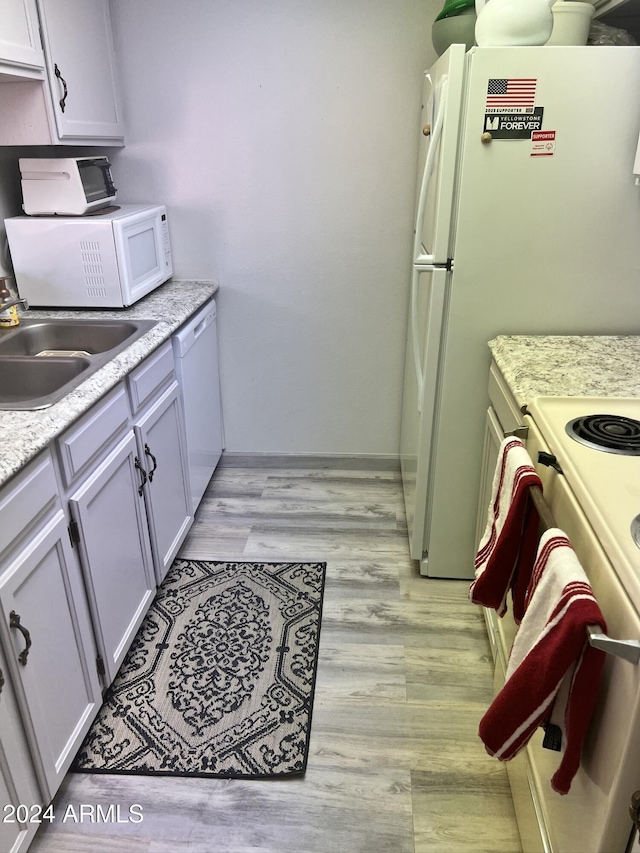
187	335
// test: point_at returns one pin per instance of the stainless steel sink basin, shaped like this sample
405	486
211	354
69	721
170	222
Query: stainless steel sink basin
44	337
24	381
42	360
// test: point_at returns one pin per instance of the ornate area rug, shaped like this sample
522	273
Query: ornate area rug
220	678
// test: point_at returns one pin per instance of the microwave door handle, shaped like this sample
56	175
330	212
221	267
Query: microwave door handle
436	132
106	171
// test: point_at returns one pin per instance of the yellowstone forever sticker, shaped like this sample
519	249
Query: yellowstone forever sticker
513	125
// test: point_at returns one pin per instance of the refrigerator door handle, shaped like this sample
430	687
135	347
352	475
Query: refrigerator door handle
419	256
415	335
433	329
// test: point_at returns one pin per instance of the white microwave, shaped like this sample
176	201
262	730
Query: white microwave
108	260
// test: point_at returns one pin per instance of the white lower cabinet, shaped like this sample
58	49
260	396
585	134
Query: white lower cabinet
83	541
19	796
128	493
47	636
503	418
158	421
114	546
161	445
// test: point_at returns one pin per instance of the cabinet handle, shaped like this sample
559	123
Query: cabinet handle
63	99
153	459
1	680
634	809
144	476
14	622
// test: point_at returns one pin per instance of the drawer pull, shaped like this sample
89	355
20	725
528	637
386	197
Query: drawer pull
144	476
14	622
153	459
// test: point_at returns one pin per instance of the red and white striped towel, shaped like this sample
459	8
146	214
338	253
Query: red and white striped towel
553	672
508	546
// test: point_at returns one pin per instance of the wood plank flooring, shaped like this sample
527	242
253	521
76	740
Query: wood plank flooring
404	676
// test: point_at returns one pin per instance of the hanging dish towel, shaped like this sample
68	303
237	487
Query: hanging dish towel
508	546
553	672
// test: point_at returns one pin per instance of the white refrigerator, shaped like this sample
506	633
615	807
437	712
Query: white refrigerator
527	222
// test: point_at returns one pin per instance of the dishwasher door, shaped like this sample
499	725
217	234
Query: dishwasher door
195	348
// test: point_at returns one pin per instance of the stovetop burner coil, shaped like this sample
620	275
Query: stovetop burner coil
610	433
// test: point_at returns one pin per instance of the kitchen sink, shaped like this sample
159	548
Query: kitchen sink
25	381
42	360
54	337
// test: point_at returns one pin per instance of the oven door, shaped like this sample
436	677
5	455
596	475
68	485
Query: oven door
97	183
594	815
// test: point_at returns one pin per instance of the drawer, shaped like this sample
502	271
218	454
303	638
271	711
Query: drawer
26	499
82	446
150	377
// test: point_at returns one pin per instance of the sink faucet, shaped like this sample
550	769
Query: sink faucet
11	302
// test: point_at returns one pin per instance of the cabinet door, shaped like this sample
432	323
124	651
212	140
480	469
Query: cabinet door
161	443
45	623
17	782
20	39
78	45
114	549
492	440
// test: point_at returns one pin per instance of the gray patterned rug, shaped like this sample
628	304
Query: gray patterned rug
220	678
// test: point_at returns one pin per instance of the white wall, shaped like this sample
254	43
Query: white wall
281	136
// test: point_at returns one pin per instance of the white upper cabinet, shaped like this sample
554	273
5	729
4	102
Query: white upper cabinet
78	46
71	99
20	50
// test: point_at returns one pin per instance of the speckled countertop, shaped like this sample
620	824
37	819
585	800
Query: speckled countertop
25	434
568	365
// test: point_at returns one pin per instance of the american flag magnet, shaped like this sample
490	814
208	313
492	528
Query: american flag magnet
511	94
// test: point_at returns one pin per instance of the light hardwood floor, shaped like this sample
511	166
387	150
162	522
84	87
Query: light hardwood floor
404	676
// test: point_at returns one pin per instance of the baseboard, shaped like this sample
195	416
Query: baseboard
311	460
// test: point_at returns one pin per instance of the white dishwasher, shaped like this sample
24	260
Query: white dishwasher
195	348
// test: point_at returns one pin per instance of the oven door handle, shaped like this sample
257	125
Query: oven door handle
521	432
627	649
